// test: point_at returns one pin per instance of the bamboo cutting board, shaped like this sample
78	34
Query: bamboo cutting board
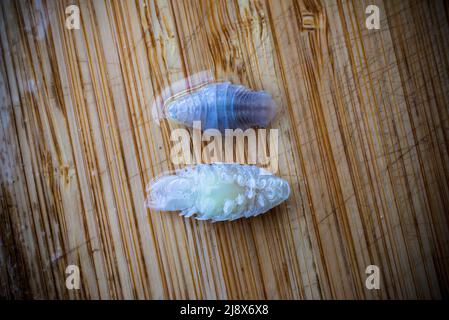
363	141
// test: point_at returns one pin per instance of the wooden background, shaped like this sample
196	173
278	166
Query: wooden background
364	143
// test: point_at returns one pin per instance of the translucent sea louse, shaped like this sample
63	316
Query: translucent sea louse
217	105
218	191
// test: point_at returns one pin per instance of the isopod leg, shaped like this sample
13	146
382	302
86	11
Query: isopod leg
187	213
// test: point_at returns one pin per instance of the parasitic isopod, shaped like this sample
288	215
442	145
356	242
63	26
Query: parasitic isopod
218	191
222	106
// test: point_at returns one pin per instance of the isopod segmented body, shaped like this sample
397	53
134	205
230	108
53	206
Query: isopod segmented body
223	106
218	192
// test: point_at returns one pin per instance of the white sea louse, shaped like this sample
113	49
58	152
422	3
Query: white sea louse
222	106
218	191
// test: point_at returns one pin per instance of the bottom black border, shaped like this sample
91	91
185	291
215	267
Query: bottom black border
173	309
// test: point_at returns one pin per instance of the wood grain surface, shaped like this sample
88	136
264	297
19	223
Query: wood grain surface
363	141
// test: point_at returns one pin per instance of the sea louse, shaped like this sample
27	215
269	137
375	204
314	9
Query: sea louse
222	106
218	192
